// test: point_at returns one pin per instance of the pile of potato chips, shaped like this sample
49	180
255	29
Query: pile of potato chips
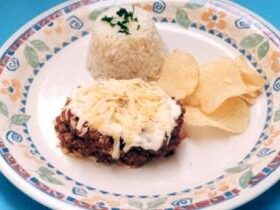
216	94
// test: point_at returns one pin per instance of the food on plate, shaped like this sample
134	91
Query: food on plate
252	79
179	74
232	116
250	98
135	109
221	80
215	94
126	121
226	88
125	44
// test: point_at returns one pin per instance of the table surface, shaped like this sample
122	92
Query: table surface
16	13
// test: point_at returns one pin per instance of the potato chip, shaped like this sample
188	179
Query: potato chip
232	116
251	78
219	81
223	79
250	98
179	74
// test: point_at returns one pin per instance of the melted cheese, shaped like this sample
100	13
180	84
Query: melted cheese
142	114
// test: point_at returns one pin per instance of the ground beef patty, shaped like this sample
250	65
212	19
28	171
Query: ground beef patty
92	143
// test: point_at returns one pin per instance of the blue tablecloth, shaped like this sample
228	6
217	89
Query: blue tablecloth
16	13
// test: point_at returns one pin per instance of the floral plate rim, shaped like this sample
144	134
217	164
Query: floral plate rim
5	169
53	203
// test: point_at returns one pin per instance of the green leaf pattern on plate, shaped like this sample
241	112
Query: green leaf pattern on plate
16	119
244	180
238	169
263	49
40	45
136	204
4	109
45	170
155	203
182	18
31	57
195	4
277	116
20	119
95	13
50	179
256	41
47	175
251	41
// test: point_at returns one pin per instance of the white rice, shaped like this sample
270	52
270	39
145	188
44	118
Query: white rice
120	56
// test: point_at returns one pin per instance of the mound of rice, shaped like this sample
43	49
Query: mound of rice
117	55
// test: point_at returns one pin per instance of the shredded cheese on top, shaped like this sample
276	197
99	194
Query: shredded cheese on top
140	113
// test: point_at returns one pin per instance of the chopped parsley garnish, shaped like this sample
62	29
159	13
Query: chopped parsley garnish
122	12
109	20
122	20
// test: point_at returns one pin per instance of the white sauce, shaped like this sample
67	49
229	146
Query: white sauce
141	114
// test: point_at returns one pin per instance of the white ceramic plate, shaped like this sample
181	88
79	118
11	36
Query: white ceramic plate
45	60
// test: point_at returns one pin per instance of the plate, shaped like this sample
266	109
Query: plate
45	60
